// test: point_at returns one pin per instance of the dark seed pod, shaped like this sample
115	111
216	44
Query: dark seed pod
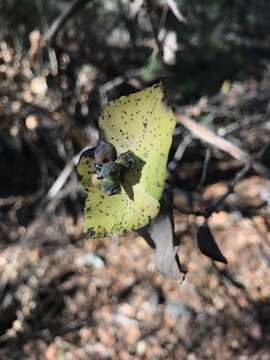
126	159
105	152
110	187
110	170
208	245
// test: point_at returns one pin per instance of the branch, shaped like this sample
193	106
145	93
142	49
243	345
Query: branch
220	201
217	205
223	144
154	26
63	18
226	146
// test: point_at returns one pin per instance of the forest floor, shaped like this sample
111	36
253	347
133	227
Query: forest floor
63	296
86	299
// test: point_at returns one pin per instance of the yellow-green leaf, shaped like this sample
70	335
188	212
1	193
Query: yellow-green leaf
143	124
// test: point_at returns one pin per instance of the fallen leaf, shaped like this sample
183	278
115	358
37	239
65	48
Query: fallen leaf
208	245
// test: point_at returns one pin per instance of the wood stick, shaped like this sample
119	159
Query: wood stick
62	19
223	144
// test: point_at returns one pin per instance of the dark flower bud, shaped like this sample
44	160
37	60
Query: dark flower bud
110	170
105	152
110	187
126	159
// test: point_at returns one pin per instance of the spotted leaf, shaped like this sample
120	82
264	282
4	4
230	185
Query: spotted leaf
142	124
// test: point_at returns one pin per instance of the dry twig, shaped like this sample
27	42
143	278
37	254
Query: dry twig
63	18
223	144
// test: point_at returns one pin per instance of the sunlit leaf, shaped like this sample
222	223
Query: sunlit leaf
142	124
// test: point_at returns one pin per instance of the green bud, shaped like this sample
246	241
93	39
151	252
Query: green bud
110	170
105	152
110	187
126	159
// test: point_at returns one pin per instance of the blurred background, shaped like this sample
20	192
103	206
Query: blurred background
63	296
